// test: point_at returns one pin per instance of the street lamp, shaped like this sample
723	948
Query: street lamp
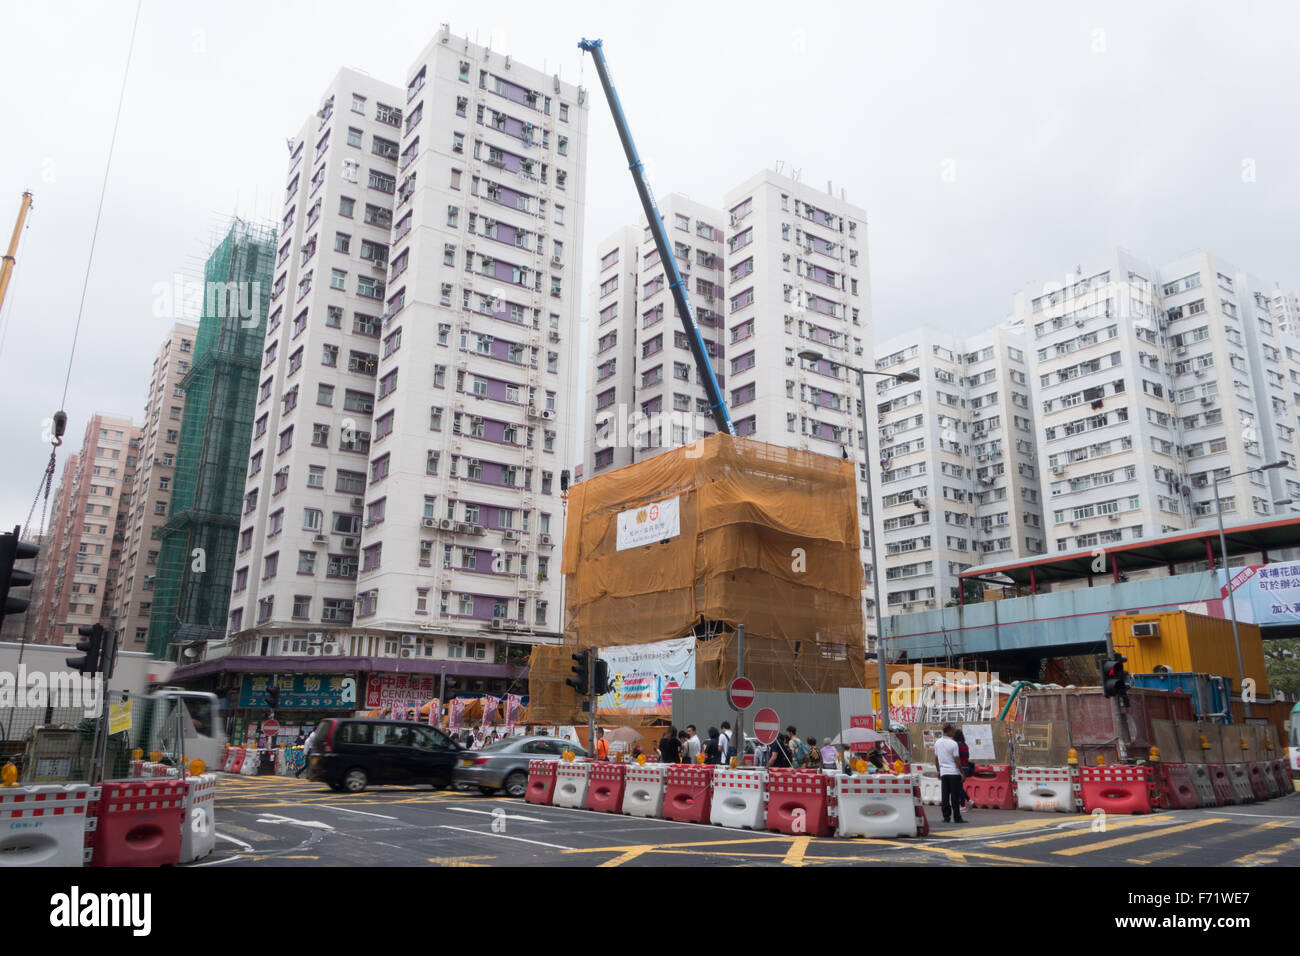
812	355
1227	571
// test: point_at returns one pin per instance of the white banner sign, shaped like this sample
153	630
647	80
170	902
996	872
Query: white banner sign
645	676
649	523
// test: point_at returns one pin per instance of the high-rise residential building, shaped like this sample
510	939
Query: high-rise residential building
1148	382
153	486
790	251
416	412
87	531
958	481
199	534
646	393
1284	311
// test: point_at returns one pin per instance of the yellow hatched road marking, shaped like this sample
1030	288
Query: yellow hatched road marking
631	854
794	855
1224	838
1267	856
1085	828
774	838
1145	835
459	860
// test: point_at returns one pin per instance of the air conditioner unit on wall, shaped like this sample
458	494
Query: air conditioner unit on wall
428	523
351	544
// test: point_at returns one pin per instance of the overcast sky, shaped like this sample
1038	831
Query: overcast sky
991	144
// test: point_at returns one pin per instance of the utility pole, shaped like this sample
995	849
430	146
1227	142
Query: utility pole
1119	708
740	714
442	695
592	691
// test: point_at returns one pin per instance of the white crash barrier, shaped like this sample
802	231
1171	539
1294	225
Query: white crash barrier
643	795
571	781
1047	789
46	824
199	825
738	798
877	804
931	787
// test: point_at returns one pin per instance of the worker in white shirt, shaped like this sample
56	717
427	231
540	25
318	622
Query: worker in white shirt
946	757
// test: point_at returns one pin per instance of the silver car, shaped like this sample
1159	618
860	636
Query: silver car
504	764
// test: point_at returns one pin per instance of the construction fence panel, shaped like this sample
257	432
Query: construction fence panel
1169	740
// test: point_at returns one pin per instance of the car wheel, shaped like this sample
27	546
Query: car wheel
517	783
355	780
487	791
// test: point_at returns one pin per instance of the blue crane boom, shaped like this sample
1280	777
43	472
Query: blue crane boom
681	297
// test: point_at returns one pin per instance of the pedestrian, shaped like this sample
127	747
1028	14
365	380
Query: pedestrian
306	752
798	749
670	747
724	742
963	761
693	745
684	740
946	757
829	757
712	750
780	755
602	745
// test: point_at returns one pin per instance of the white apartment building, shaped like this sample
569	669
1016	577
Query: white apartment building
405	471
152	487
645	392
1146	382
958	481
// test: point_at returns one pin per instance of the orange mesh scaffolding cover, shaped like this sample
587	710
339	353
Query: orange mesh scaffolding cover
768	538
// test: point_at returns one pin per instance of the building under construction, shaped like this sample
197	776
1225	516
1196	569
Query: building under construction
192	590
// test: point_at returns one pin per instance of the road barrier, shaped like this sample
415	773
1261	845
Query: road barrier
687	789
45	824
1201	784
1259	787
571	781
1177	788
930	784
643	795
139	823
879	805
991	786
799	802
608	781
252	764
199	817
1282	773
1047	789
739	798
1224	792
235	760
1119	789
1240	781
541	782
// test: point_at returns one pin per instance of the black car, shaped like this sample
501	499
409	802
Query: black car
354	753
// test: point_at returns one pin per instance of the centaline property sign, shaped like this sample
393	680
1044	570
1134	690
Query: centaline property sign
649	523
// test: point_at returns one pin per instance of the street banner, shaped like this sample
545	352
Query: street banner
1264	593
435	712
645	676
490	710
513	703
453	713
649	524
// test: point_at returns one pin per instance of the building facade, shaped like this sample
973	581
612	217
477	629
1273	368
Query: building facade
153	487
88	531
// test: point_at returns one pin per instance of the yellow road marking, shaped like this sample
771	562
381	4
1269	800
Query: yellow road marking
631	854
794	855
1267	856
458	860
1225	838
1084	829
1146	835
774	838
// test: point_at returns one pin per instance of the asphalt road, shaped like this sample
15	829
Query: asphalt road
283	821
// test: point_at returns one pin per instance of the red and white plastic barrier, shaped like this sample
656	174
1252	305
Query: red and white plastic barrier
991	786
643	794
1221	780
879	805
1262	789
1240	780
541	782
571	782
1119	789
199	819
1204	789
1177	790
799	802
739	798
605	792
687	791
1282	773
139	823
45	824
930	784
1048	789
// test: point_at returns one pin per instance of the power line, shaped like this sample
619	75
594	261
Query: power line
103	190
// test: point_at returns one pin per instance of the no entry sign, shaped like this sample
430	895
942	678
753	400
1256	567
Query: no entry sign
766	726
740	695
270	727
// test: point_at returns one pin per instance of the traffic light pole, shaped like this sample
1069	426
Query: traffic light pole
1118	706
591	697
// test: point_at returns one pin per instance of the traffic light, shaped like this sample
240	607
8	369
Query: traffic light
1114	679
603	684
12	550
273	697
581	669
92	643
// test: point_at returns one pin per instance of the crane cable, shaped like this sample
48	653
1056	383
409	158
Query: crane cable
60	418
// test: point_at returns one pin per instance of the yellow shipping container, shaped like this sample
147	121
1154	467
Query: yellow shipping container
1186	642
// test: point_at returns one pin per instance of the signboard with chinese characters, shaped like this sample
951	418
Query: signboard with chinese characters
302	691
389	690
649	524
645	676
1264	594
